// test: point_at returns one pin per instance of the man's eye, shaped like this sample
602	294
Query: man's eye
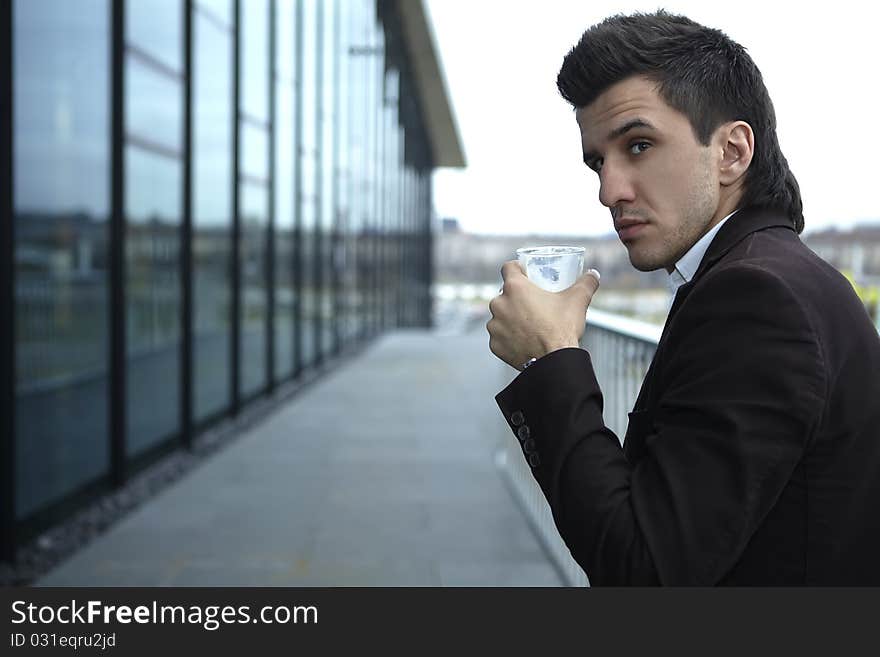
639	147
596	165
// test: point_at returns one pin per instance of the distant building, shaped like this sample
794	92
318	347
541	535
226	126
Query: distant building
461	257
856	251
448	225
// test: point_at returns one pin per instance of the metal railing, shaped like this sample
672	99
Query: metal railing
621	350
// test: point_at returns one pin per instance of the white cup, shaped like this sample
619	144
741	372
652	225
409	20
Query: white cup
552	268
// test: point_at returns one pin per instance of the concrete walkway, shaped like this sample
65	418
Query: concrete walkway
380	474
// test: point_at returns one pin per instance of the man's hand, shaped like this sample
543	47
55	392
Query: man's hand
528	322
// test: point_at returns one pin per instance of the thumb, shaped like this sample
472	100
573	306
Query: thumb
590	278
586	284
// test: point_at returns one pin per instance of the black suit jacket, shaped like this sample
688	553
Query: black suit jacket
752	455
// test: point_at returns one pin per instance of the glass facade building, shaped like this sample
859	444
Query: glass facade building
200	200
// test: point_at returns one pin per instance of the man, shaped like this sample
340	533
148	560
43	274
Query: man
752	456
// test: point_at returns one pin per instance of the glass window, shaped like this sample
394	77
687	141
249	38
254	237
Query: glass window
254	151
328	175
155	28
152	297
61	160
149	114
212	207
254	196
356	95
285	162
374	154
343	253
218	11
255	59
392	195
254	222
308	184
153	210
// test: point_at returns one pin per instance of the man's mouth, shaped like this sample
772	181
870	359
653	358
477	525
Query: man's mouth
628	229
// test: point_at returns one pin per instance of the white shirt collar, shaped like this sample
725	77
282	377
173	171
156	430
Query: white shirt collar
686	267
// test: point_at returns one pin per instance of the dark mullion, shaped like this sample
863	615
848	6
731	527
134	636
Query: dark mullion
235	265
186	388
7	291
117	247
318	242
297	269
270	232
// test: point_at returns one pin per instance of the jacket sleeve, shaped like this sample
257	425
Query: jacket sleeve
742	389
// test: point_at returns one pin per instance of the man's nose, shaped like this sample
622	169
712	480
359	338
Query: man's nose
615	187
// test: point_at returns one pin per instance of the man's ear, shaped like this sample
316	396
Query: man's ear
737	140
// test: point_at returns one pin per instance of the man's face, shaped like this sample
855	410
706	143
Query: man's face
659	182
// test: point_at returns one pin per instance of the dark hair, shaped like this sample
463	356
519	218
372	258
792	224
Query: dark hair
700	72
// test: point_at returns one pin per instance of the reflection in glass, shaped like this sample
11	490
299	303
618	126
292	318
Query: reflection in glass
328	168
212	209
309	193
285	301
149	115
340	141
393	196
356	148
254	151
218	10
152	298
254	197
61	161
370	228
254	222
155	28
255	59
153	211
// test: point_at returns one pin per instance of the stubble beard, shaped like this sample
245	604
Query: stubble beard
696	216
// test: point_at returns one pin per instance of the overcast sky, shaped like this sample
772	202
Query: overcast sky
525	172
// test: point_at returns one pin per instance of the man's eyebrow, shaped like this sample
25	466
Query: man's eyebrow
626	127
589	156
